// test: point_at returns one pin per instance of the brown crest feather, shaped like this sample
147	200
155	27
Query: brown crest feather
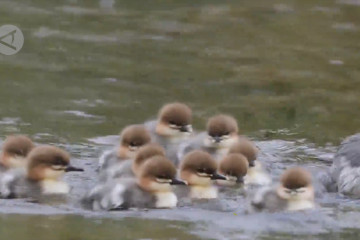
296	177
175	113
220	125
135	135
234	164
18	145
196	160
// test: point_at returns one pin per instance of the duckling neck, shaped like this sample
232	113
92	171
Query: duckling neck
175	139
165	200
301	204
205	192
52	186
256	175
220	153
3	167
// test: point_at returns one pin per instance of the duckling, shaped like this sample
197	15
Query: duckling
295	192
221	133
173	126
234	167
344	174
131	139
198	170
42	177
131	168
256	175
14	152
151	188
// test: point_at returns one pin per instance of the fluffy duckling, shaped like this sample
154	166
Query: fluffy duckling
344	174
198	170
14	152
221	133
256	175
151	188
295	192
234	167
131	139
173	126
173	123
131	168
42	178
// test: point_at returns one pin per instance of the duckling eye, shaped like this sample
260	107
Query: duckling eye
58	161
162	177
201	170
227	133
133	144
17	152
288	190
173	124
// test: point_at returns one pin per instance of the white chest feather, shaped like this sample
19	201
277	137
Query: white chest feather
256	175
296	205
202	192
54	187
221	153
166	200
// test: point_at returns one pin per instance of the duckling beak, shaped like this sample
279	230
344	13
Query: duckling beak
186	128
177	182
73	169
217	139
239	180
217	176
252	164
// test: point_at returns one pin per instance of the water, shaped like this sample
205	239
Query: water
287	70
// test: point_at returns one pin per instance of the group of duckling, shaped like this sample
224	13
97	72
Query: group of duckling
161	161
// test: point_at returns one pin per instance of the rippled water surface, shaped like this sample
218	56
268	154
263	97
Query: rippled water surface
287	70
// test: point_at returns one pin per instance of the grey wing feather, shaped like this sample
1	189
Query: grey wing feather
348	181
266	199
182	192
194	143
107	159
324	182
105	197
137	198
120	170
345	170
171	153
151	127
116	195
350	149
12	184
347	156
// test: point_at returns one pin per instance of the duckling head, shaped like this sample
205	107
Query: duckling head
199	168
295	185
174	121
222	131
132	138
14	151
234	167
246	148
48	163
146	152
157	175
